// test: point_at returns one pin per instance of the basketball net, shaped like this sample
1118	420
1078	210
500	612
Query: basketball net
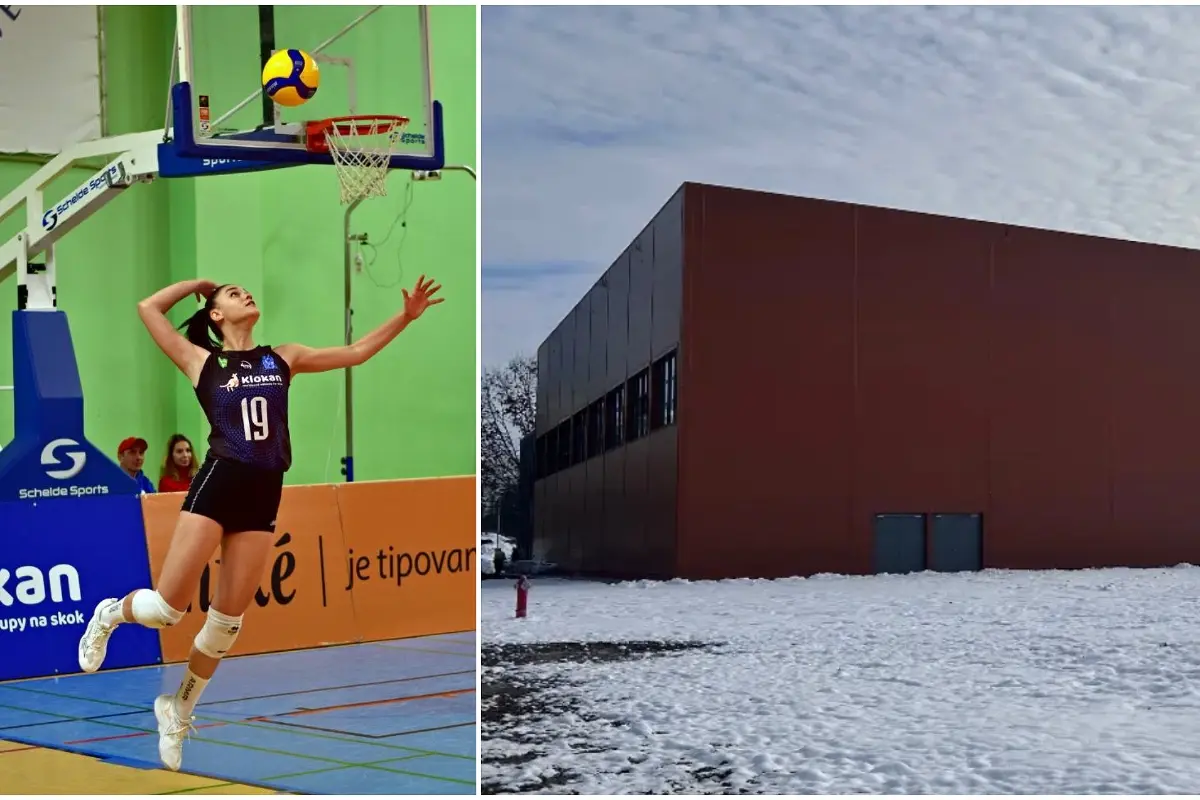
361	153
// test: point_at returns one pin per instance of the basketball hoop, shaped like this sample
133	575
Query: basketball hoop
361	147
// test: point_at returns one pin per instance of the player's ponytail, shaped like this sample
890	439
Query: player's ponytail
201	330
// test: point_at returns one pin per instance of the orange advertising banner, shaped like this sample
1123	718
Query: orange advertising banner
410	550
351	563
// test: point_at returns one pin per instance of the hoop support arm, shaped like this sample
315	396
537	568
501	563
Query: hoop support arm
46	225
32	186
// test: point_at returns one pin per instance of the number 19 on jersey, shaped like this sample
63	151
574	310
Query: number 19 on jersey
254	418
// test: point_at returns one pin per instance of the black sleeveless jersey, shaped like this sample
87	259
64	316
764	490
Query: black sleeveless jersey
244	394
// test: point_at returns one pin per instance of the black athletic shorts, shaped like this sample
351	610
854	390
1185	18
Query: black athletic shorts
236	495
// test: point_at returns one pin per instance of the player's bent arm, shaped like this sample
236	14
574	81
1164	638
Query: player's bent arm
153	312
322	359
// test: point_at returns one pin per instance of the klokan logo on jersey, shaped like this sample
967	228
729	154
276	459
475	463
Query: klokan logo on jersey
235	382
62	464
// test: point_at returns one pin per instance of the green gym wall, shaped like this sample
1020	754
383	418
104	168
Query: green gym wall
279	233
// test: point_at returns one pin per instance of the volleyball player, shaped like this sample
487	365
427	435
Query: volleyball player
234	497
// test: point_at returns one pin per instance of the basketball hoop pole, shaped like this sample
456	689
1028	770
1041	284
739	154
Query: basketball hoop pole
348	241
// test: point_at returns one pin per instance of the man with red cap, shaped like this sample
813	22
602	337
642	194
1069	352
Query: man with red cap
131	455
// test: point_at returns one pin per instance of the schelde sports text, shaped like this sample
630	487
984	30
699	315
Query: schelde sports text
61	491
51	219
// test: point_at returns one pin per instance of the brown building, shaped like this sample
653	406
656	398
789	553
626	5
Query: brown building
864	390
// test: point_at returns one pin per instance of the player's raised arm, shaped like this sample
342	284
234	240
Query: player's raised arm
188	356
322	359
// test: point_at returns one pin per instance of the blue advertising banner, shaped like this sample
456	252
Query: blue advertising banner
58	559
49	457
71	527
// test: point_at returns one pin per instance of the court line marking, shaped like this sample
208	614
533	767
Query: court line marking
372	735
191	789
362	685
412	752
298	712
453	635
283	776
136	735
104	758
30	724
138	710
456	643
245	724
232	744
272	751
382	702
211	723
394	771
436	638
457	653
61	721
451	674
264	784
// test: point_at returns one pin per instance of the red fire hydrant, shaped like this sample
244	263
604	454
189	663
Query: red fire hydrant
522	596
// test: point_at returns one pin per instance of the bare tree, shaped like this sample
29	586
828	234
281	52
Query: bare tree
507	402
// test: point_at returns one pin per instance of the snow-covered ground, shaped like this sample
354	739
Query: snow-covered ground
996	682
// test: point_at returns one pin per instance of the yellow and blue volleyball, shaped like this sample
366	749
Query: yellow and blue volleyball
291	77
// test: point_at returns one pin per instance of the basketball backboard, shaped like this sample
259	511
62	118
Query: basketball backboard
374	60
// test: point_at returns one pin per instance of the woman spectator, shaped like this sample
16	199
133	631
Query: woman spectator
179	467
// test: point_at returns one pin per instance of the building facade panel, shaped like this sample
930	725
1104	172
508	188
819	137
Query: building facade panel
580	375
542	412
1155	384
641	299
598	382
920	366
668	277
566	366
766	386
1049	398
617	285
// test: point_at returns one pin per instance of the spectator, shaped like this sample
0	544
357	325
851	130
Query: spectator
179	467
131	455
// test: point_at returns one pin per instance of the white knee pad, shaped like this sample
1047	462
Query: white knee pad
219	633
150	610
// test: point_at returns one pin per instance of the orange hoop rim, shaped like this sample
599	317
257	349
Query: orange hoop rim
317	131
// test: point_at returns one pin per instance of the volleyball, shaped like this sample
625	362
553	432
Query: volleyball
291	77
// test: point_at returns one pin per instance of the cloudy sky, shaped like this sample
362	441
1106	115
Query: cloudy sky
1083	119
